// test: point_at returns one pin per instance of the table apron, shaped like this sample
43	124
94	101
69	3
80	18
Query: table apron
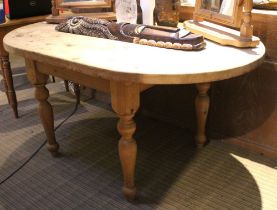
80	78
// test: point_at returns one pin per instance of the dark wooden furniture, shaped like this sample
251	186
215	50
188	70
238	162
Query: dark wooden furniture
5	28
253	124
263	138
167	12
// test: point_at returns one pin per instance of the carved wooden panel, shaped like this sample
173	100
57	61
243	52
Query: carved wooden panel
265	28
243	109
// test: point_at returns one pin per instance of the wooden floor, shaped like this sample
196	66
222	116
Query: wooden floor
171	173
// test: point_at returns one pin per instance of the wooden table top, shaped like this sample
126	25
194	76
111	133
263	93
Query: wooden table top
115	60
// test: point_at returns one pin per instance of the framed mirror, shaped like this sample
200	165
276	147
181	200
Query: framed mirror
227	12
83	3
62	9
218	20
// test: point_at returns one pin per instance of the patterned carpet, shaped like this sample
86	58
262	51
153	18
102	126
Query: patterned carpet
171	173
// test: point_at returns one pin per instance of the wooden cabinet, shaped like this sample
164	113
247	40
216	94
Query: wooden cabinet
243	110
265	27
263	83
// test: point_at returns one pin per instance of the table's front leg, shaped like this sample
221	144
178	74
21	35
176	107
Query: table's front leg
39	80
125	102
202	104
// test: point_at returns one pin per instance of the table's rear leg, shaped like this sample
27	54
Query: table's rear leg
39	80
202	104
8	82
125	102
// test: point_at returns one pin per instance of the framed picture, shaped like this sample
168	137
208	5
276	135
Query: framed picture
62	9
226	12
83	3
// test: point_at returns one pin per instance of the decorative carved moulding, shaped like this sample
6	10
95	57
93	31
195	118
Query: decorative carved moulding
62	9
211	18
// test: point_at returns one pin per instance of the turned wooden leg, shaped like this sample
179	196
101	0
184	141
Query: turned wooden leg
66	85
9	84
202	103
4	80
77	92
125	102
39	80
53	79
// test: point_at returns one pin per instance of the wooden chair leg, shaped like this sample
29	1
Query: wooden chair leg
125	102
77	92
8	83
4	80
66	85
202	104
53	79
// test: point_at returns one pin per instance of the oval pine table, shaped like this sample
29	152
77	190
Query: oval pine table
124	70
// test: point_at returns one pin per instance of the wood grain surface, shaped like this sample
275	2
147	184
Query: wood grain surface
131	62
